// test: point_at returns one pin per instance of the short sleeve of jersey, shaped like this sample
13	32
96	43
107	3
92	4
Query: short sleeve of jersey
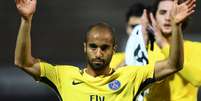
144	73
117	60
144	78
49	72
140	77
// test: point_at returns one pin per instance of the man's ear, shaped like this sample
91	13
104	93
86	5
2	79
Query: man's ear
85	47
114	48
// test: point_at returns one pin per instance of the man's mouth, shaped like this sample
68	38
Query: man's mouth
98	61
167	25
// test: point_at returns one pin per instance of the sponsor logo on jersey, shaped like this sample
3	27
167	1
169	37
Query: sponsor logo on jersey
76	82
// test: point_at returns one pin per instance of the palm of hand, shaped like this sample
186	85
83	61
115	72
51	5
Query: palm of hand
27	8
180	13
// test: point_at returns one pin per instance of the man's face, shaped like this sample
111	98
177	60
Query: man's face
131	23
163	16
99	49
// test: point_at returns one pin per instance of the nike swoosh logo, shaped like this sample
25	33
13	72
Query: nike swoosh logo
76	82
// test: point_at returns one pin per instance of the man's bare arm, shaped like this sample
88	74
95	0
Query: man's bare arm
23	56
175	60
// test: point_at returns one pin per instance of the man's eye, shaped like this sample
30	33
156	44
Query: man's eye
104	47
92	45
162	12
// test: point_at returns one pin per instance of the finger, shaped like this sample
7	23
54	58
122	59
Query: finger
150	29
153	21
22	1
190	13
191	3
18	3
144	15
153	25
191	8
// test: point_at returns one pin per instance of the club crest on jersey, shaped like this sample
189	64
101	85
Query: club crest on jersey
114	85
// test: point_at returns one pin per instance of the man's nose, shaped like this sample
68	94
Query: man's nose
99	52
167	16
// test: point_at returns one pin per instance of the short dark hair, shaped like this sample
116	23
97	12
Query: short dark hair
135	9
101	25
155	5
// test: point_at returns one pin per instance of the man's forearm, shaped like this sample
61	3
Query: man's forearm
23	44
176	48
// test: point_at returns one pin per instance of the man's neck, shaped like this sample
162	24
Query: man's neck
97	72
168	37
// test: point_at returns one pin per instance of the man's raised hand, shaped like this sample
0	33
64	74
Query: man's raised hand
181	11
26	8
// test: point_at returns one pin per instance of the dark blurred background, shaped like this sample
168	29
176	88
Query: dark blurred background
58	31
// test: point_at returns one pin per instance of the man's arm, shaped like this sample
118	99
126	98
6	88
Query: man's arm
23	56
175	60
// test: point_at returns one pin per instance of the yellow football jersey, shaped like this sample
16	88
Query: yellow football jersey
182	86
117	60
74	84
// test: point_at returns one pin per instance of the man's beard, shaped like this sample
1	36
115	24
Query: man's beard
94	63
98	66
167	35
